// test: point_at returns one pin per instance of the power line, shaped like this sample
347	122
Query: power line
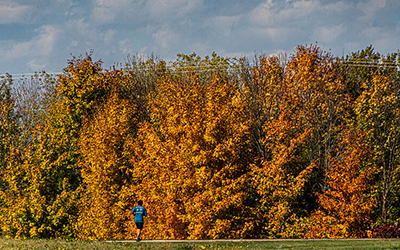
24	75
371	63
204	68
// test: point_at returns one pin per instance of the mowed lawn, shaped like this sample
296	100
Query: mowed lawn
256	244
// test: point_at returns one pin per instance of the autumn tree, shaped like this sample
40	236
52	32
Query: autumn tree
346	202
215	147
372	80
147	73
41	200
377	110
190	165
358	69
9	129
262	87
33	97
301	138
29	107
105	144
160	172
224	193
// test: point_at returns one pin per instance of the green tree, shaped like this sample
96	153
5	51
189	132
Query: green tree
372	80
377	110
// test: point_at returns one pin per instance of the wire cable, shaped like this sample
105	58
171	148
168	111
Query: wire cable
207	68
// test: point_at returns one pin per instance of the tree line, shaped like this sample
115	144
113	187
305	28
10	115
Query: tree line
300	147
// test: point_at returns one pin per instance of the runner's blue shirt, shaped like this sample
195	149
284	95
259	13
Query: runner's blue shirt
139	212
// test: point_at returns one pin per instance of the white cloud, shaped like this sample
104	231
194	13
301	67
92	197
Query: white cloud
36	51
282	24
36	66
223	24
106	11
172	9
337	7
18	50
41	45
82	31
139	11
277	34
46	40
278	13
382	39
164	38
371	7
301	9
109	36
126	46
74	43
263	14
328	34
12	13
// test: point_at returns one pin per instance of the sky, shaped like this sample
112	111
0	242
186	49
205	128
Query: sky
42	35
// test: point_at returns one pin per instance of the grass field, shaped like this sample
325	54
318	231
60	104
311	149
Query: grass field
283	244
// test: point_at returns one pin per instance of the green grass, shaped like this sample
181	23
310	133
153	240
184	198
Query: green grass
289	244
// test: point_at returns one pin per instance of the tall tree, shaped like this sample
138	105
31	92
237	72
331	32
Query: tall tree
41	200
9	129
190	162
346	201
377	110
105	143
262	87
301	138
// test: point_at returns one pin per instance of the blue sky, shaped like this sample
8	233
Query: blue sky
38	35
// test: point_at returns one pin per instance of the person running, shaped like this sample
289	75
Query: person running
139	211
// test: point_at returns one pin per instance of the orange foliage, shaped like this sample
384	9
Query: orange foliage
190	165
213	150
105	143
346	202
300	139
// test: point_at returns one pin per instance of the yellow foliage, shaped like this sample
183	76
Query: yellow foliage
192	174
214	149
105	140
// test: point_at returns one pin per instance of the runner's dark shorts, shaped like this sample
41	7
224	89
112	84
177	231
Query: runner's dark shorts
139	225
